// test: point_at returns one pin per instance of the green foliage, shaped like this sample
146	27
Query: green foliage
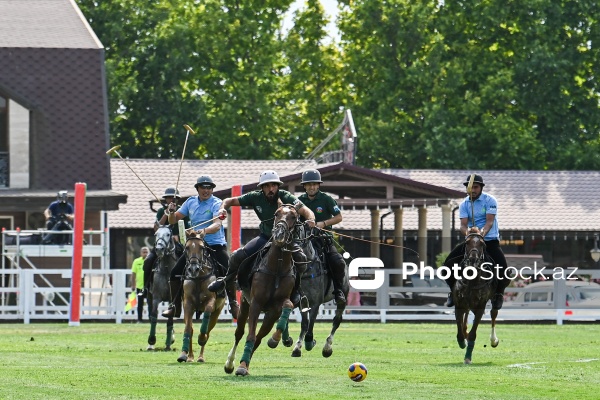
404	361
484	84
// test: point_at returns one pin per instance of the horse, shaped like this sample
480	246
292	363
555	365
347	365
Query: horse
271	285
61	223
317	285
472	294
159	290
199	273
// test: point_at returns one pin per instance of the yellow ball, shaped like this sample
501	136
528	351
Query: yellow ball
357	372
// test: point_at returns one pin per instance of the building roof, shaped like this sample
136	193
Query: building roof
158	175
154	176
529	200
45	24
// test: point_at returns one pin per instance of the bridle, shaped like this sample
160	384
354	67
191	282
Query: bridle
196	259
476	254
283	230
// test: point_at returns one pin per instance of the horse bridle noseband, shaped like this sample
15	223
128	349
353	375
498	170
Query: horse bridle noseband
195	259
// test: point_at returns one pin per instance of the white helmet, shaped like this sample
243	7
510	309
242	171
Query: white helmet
269	177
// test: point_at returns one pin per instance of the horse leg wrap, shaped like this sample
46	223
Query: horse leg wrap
152	326
247	352
283	320
470	347
205	321
286	333
185	346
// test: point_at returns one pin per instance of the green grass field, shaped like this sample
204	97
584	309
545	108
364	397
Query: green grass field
405	361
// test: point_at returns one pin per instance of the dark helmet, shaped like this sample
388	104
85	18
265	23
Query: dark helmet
311	176
478	179
171	192
62	196
269	177
204	180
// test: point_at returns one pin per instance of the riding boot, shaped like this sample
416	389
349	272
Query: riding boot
232	269
337	266
450	299
174	310
297	296
234	307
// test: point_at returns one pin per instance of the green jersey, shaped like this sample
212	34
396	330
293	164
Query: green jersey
265	211
323	206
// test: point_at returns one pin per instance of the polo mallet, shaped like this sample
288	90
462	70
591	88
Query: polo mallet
189	130
116	151
470	193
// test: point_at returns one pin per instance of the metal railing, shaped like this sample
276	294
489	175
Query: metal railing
104	295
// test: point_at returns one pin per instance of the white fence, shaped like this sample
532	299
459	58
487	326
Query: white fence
44	294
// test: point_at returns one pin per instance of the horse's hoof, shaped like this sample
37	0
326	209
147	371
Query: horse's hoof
288	342
468	361
200	359
272	343
182	358
297	353
150	347
495	343
310	345
327	352
462	344
228	369
152	340
241	371
167	348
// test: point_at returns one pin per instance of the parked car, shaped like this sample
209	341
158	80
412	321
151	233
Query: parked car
537	301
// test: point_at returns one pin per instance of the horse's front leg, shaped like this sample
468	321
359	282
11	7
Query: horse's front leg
473	336
493	338
281	324
187	352
253	315
206	317
461	336
239	334
152	316
297	351
337	320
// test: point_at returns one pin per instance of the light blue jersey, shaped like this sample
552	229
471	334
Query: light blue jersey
485	204
200	212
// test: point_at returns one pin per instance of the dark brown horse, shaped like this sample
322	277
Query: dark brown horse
199	273
472	293
270	290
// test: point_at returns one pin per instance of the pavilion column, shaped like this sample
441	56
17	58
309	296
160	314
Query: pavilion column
422	235
446	228
375	233
398	241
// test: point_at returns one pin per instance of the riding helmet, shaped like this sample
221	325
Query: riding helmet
62	196
311	176
171	192
204	180
269	177
478	179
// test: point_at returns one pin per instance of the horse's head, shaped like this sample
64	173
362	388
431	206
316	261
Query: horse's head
474	249
162	243
197	265
286	218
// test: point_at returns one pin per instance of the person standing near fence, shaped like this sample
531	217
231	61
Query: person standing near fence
137	281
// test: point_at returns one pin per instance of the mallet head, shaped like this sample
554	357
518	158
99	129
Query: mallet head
113	149
189	129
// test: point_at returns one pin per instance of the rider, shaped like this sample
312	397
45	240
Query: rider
59	215
171	196
264	202
203	212
486	224
327	213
